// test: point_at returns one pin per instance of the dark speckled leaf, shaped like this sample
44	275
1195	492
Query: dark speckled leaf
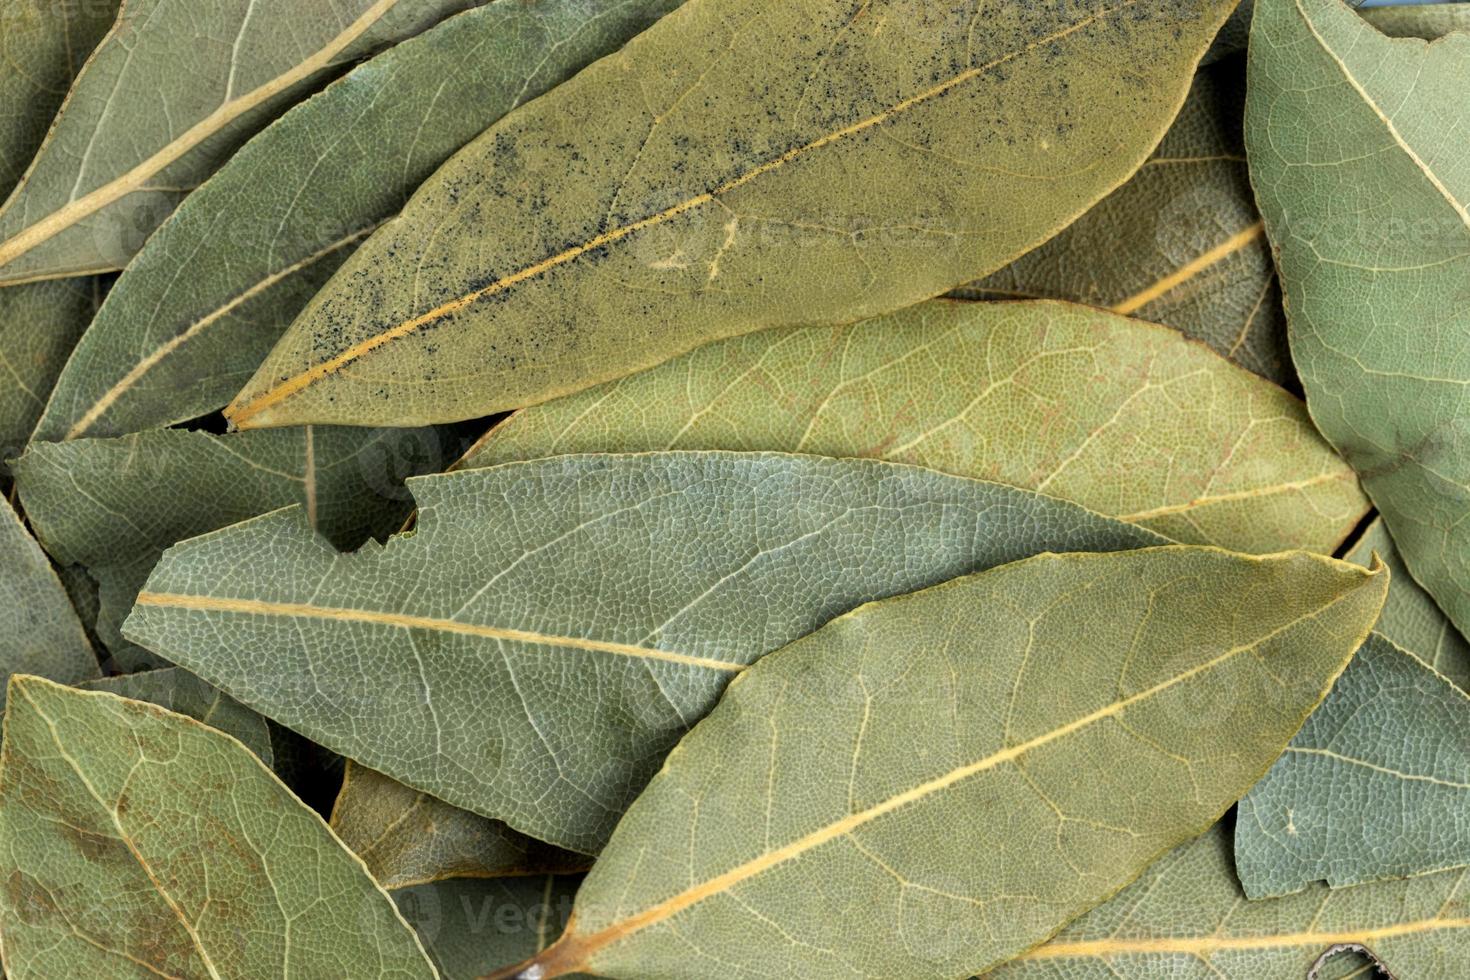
718	176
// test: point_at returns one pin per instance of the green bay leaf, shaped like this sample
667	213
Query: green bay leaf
1123	417
1410	618
409	838
114	505
651	579
1187	919
182	693
473	926
42	47
1180	244
742	164
1376	785
138	842
950	757
1413	19
40	324
215	286
171	91
1364	189
39	630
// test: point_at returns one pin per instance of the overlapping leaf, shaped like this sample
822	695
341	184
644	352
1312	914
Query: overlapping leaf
169	93
114	505
1410	618
950	757
473	926
1180	244
1362	178
1123	417
39	325
717	176
42	47
1376	785
1187	919
221	279
39	630
409	838
651	579
137	842
183	693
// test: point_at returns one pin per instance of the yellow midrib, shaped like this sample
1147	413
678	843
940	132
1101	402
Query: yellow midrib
198	326
1238	495
1188	271
294	610
1204	945
240	412
579	948
119	187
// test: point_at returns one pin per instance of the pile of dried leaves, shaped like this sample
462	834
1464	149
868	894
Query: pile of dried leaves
986	489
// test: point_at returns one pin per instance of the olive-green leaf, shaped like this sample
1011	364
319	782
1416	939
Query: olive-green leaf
181	692
1180	244
473	926
114	505
1422	20
1360	174
409	838
40	323
42	47
1376	785
1123	417
171	91
213	289
955	759
39	630
551	628
1187	919
1412	19
135	842
1410	618
742	164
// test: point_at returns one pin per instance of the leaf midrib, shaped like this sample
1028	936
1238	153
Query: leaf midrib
580	948
239	413
119	187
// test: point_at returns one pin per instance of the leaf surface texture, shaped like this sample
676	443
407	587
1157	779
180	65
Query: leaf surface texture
1125	418
950	757
1361	175
715	177
213	289
466	635
138	842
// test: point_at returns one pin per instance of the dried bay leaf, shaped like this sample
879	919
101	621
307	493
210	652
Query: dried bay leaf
1180	244
42	47
43	44
182	693
951	758
409	838
1376	785
39	630
171	91
1422	20
718	176
1410	618
114	505
40	323
139	842
215	286
473	926
1124	417
1364	187
1187	919
464	634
